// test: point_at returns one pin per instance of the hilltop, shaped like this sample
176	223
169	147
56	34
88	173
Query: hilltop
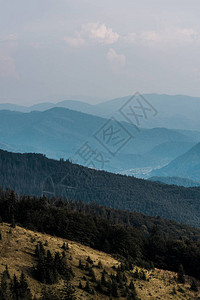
17	248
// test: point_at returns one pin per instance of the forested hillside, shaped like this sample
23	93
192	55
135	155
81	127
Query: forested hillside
175	181
34	174
59	269
149	242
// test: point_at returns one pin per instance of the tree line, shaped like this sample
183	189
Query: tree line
133	244
34	174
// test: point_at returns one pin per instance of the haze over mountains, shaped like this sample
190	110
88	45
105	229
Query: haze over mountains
152	141
60	133
174	112
186	165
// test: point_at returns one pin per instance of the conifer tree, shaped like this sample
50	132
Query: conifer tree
92	274
99	287
103	279
68	292
80	265
132	286
89	260
180	276
5	293
87	287
194	286
80	285
13	225
99	264
114	288
24	291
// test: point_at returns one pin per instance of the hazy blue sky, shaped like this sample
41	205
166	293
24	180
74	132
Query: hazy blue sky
56	49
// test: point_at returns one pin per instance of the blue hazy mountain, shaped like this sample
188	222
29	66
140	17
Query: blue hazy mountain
177	111
185	166
174	111
60	132
160	155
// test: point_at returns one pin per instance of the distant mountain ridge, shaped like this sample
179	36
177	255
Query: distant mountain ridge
186	165
60	132
174	111
69	104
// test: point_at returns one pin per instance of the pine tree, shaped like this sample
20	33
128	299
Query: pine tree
15	287
132	296
114	288
65	246
89	260
49	257
119	278
142	275
136	274
103	279
99	287
24	291
87	266
13	225
80	285
37	252
7	272
80	265
48	294
5	293
125	291
87	287
99	264
194	286
109	288
180	276
132	286
68	292
124	278
92	274
41	249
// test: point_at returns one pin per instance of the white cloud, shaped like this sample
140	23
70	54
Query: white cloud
74	42
171	37
116	60
93	32
99	33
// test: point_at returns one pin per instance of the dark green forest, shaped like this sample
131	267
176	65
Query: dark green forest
34	174
154	242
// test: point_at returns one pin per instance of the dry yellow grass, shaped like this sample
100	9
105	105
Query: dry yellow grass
17	252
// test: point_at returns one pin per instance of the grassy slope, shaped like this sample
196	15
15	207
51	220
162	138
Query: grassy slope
17	251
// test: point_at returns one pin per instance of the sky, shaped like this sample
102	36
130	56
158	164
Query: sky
52	50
